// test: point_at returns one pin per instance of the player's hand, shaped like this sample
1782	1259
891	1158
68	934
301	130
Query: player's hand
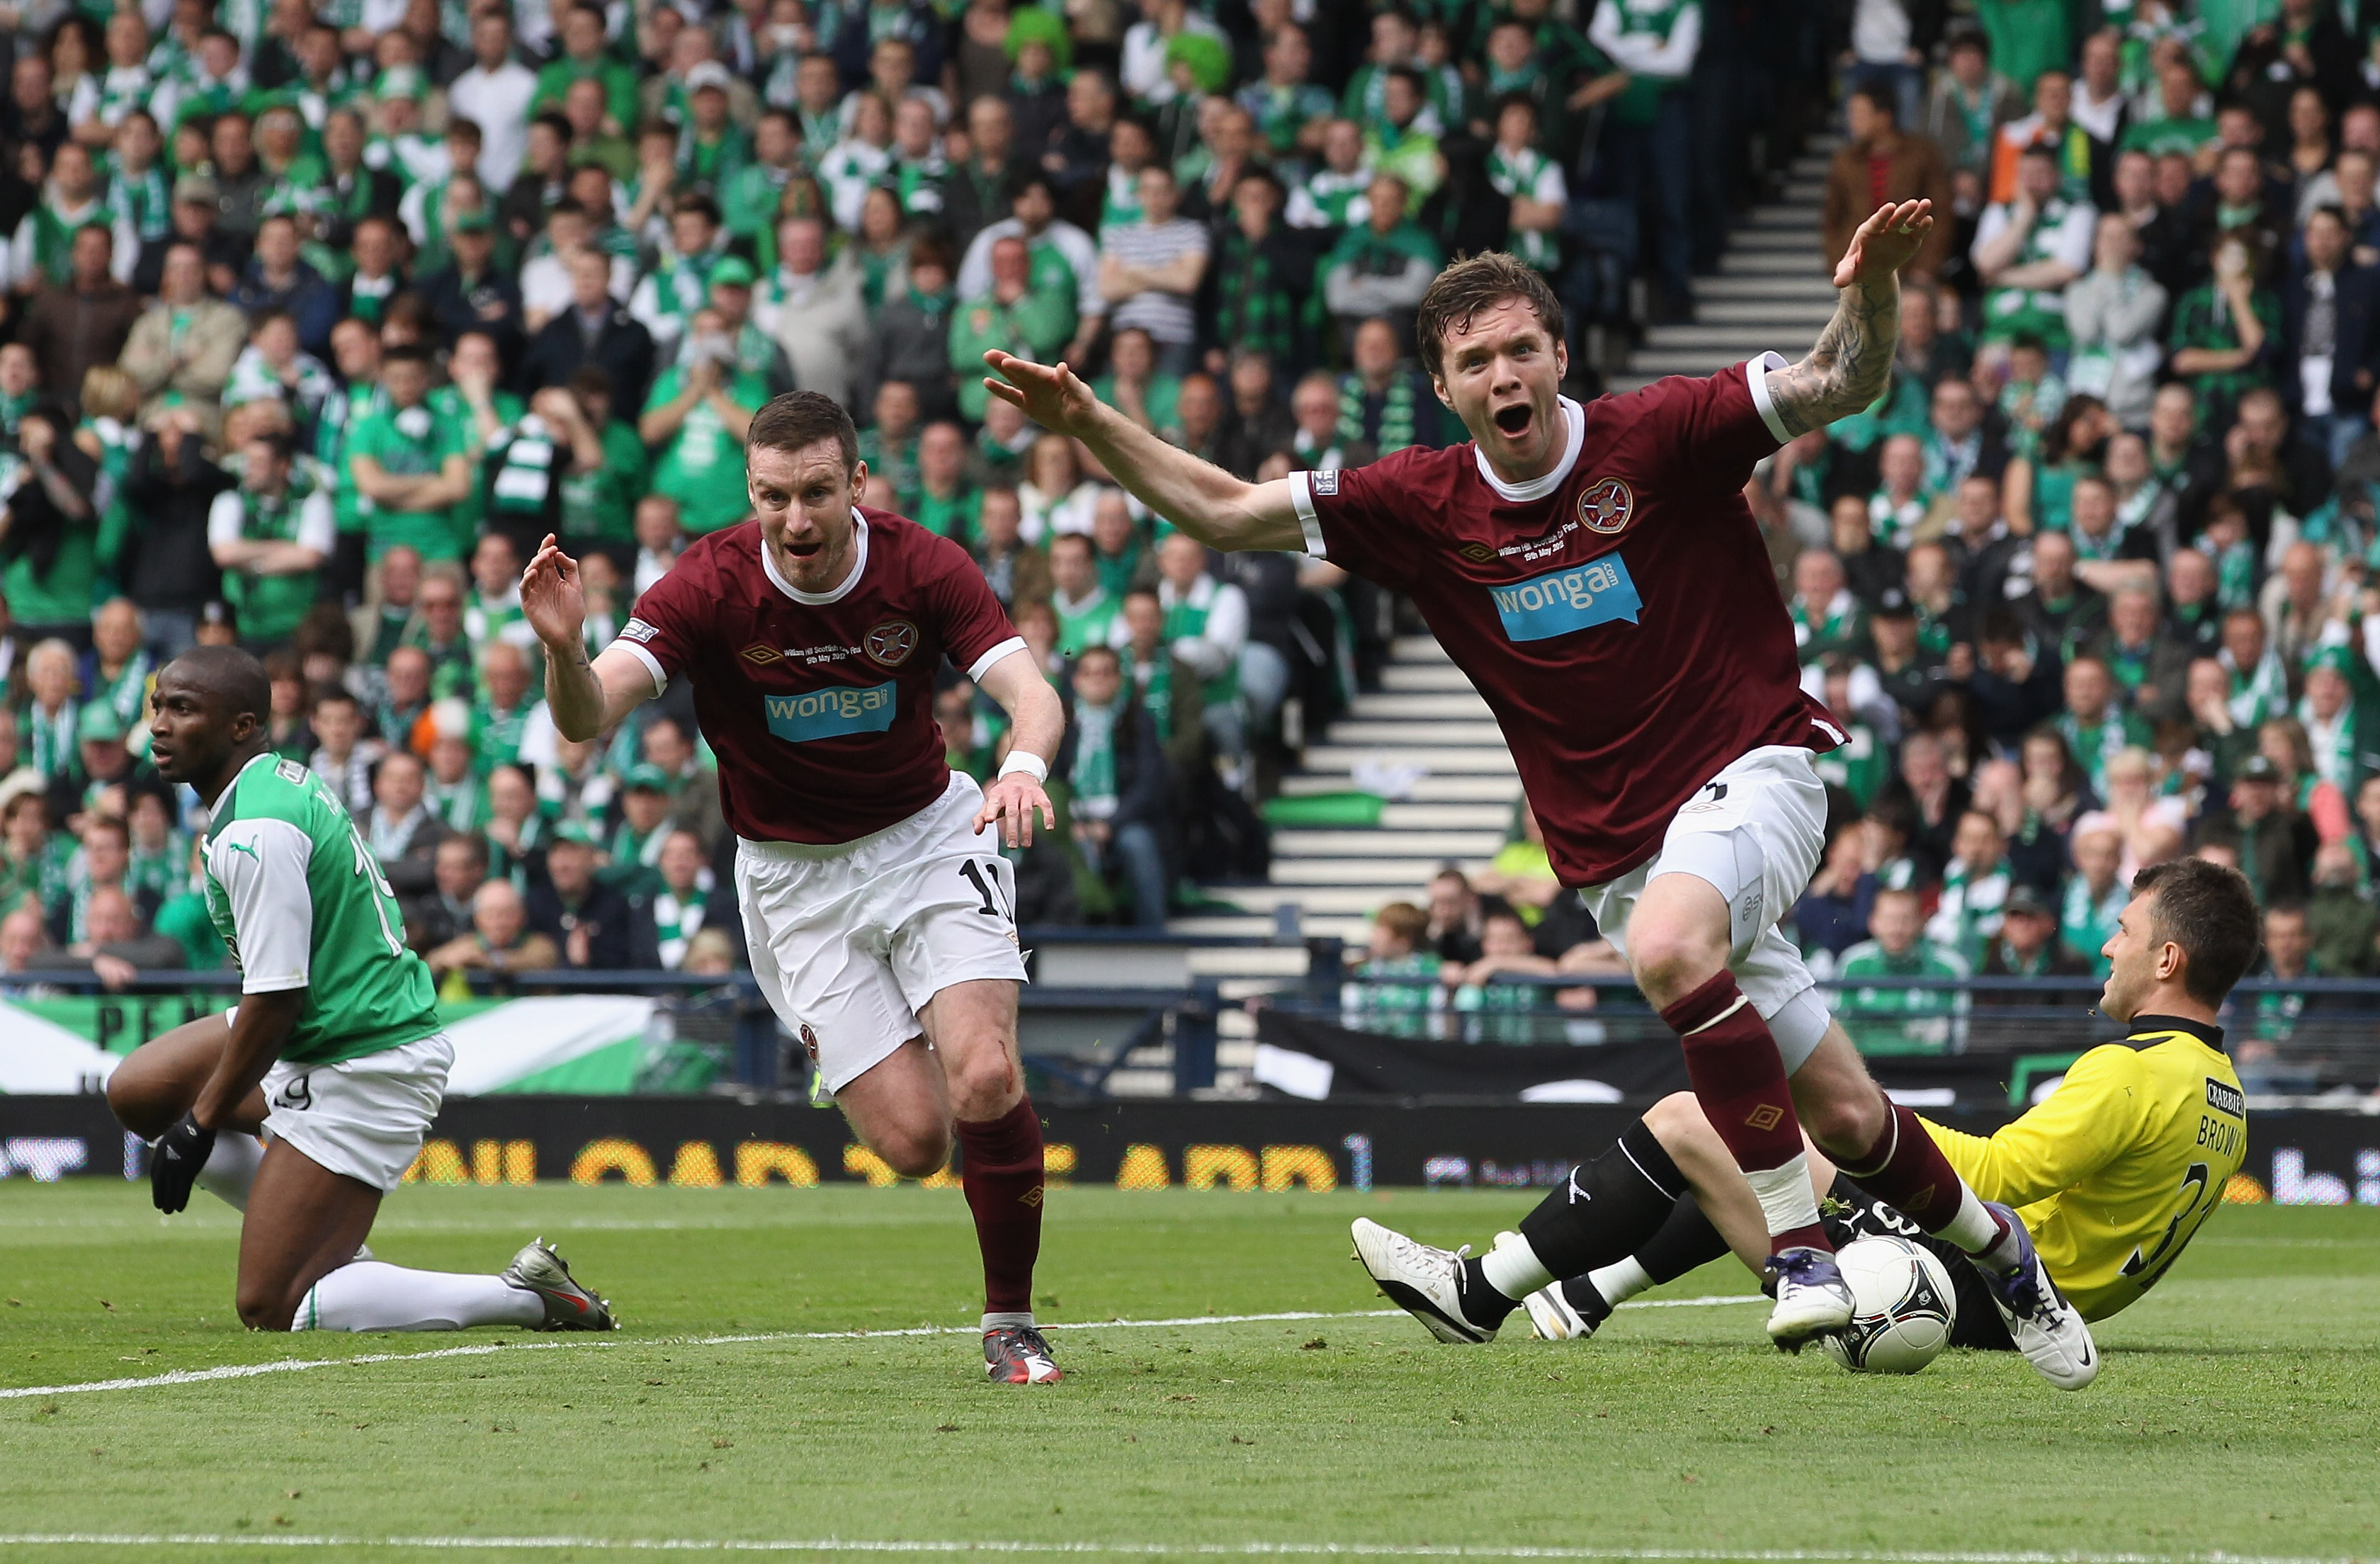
1011	802
1051	394
551	598
1885	243
174	1161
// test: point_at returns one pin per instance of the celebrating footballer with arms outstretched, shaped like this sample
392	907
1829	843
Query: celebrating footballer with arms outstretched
1597	573
880	913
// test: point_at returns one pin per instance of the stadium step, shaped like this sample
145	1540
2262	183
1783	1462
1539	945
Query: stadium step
1424	677
1422	788
1386	843
1356	732
1425	707
1799	315
1396	877
1766	288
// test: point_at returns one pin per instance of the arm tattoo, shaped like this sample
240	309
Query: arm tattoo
1848	367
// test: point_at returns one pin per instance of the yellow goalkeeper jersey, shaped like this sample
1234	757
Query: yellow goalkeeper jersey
2116	1171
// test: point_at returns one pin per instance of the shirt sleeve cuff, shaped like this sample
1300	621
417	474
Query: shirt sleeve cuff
653	665
983	664
1755	376
261	984
1301	495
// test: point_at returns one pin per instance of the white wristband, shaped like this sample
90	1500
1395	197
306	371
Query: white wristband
1024	760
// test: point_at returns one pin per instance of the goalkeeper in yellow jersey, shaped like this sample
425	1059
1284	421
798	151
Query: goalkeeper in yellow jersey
2113	1173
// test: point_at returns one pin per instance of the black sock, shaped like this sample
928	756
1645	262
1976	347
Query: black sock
1581	1296
1482	1304
1609	1206
1684	1241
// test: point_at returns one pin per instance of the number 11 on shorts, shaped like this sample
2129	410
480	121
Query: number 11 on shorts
983	880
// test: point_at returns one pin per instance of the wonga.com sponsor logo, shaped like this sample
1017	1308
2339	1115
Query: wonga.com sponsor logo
832	713
1563	601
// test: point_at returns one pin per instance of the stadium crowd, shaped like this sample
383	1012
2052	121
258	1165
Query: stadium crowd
2092	587
315	318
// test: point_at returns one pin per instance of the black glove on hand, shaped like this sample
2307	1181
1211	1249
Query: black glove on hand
174	1161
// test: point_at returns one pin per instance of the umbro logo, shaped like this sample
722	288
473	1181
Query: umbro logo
760	656
1479	553
1767	1116
1030	1197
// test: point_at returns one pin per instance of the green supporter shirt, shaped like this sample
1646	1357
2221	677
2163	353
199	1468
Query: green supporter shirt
1898	1020
63	594
1385	253
407	442
2158	136
703	465
953	517
1035	328
448	403
619	87
293	890
602	505
271	607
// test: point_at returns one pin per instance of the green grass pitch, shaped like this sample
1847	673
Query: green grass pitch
2237	1412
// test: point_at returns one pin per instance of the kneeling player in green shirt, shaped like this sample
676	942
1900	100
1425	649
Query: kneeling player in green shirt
334	1048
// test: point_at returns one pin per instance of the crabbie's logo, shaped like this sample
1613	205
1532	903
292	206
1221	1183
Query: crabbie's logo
1606	506
891	642
759	656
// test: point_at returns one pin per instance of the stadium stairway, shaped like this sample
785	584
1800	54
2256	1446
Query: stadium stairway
1425	742
1771	290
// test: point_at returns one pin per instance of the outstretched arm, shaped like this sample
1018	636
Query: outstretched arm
1847	369
1199	497
586	697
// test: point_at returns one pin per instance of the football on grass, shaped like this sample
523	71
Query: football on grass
1902	1307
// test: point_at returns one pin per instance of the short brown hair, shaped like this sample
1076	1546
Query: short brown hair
2210	912
801	419
1470	285
1403	921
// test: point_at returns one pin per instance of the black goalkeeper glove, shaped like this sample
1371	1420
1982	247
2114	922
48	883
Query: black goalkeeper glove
174	1161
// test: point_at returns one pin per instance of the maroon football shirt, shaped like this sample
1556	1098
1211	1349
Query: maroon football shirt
1618	615
820	705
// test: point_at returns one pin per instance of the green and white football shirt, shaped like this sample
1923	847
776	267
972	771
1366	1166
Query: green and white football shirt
293	890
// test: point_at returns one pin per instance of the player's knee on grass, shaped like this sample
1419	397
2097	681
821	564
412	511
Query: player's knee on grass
266	1305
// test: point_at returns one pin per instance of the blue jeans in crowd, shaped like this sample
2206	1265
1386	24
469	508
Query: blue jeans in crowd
1656	161
1132	848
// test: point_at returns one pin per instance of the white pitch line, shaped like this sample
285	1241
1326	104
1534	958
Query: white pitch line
294	1366
1136	1549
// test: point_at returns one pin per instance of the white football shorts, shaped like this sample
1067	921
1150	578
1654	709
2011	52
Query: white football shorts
850	941
1754	833
362	1117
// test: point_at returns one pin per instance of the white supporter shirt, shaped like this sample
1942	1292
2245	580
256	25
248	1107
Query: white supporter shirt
497	102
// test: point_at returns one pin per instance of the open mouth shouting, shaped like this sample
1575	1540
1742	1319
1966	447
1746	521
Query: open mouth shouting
1514	420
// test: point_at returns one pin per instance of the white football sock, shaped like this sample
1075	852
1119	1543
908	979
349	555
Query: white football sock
1620	1280
1980	1234
1512	1267
1786	1197
1012	1321
369	1295
231	1167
